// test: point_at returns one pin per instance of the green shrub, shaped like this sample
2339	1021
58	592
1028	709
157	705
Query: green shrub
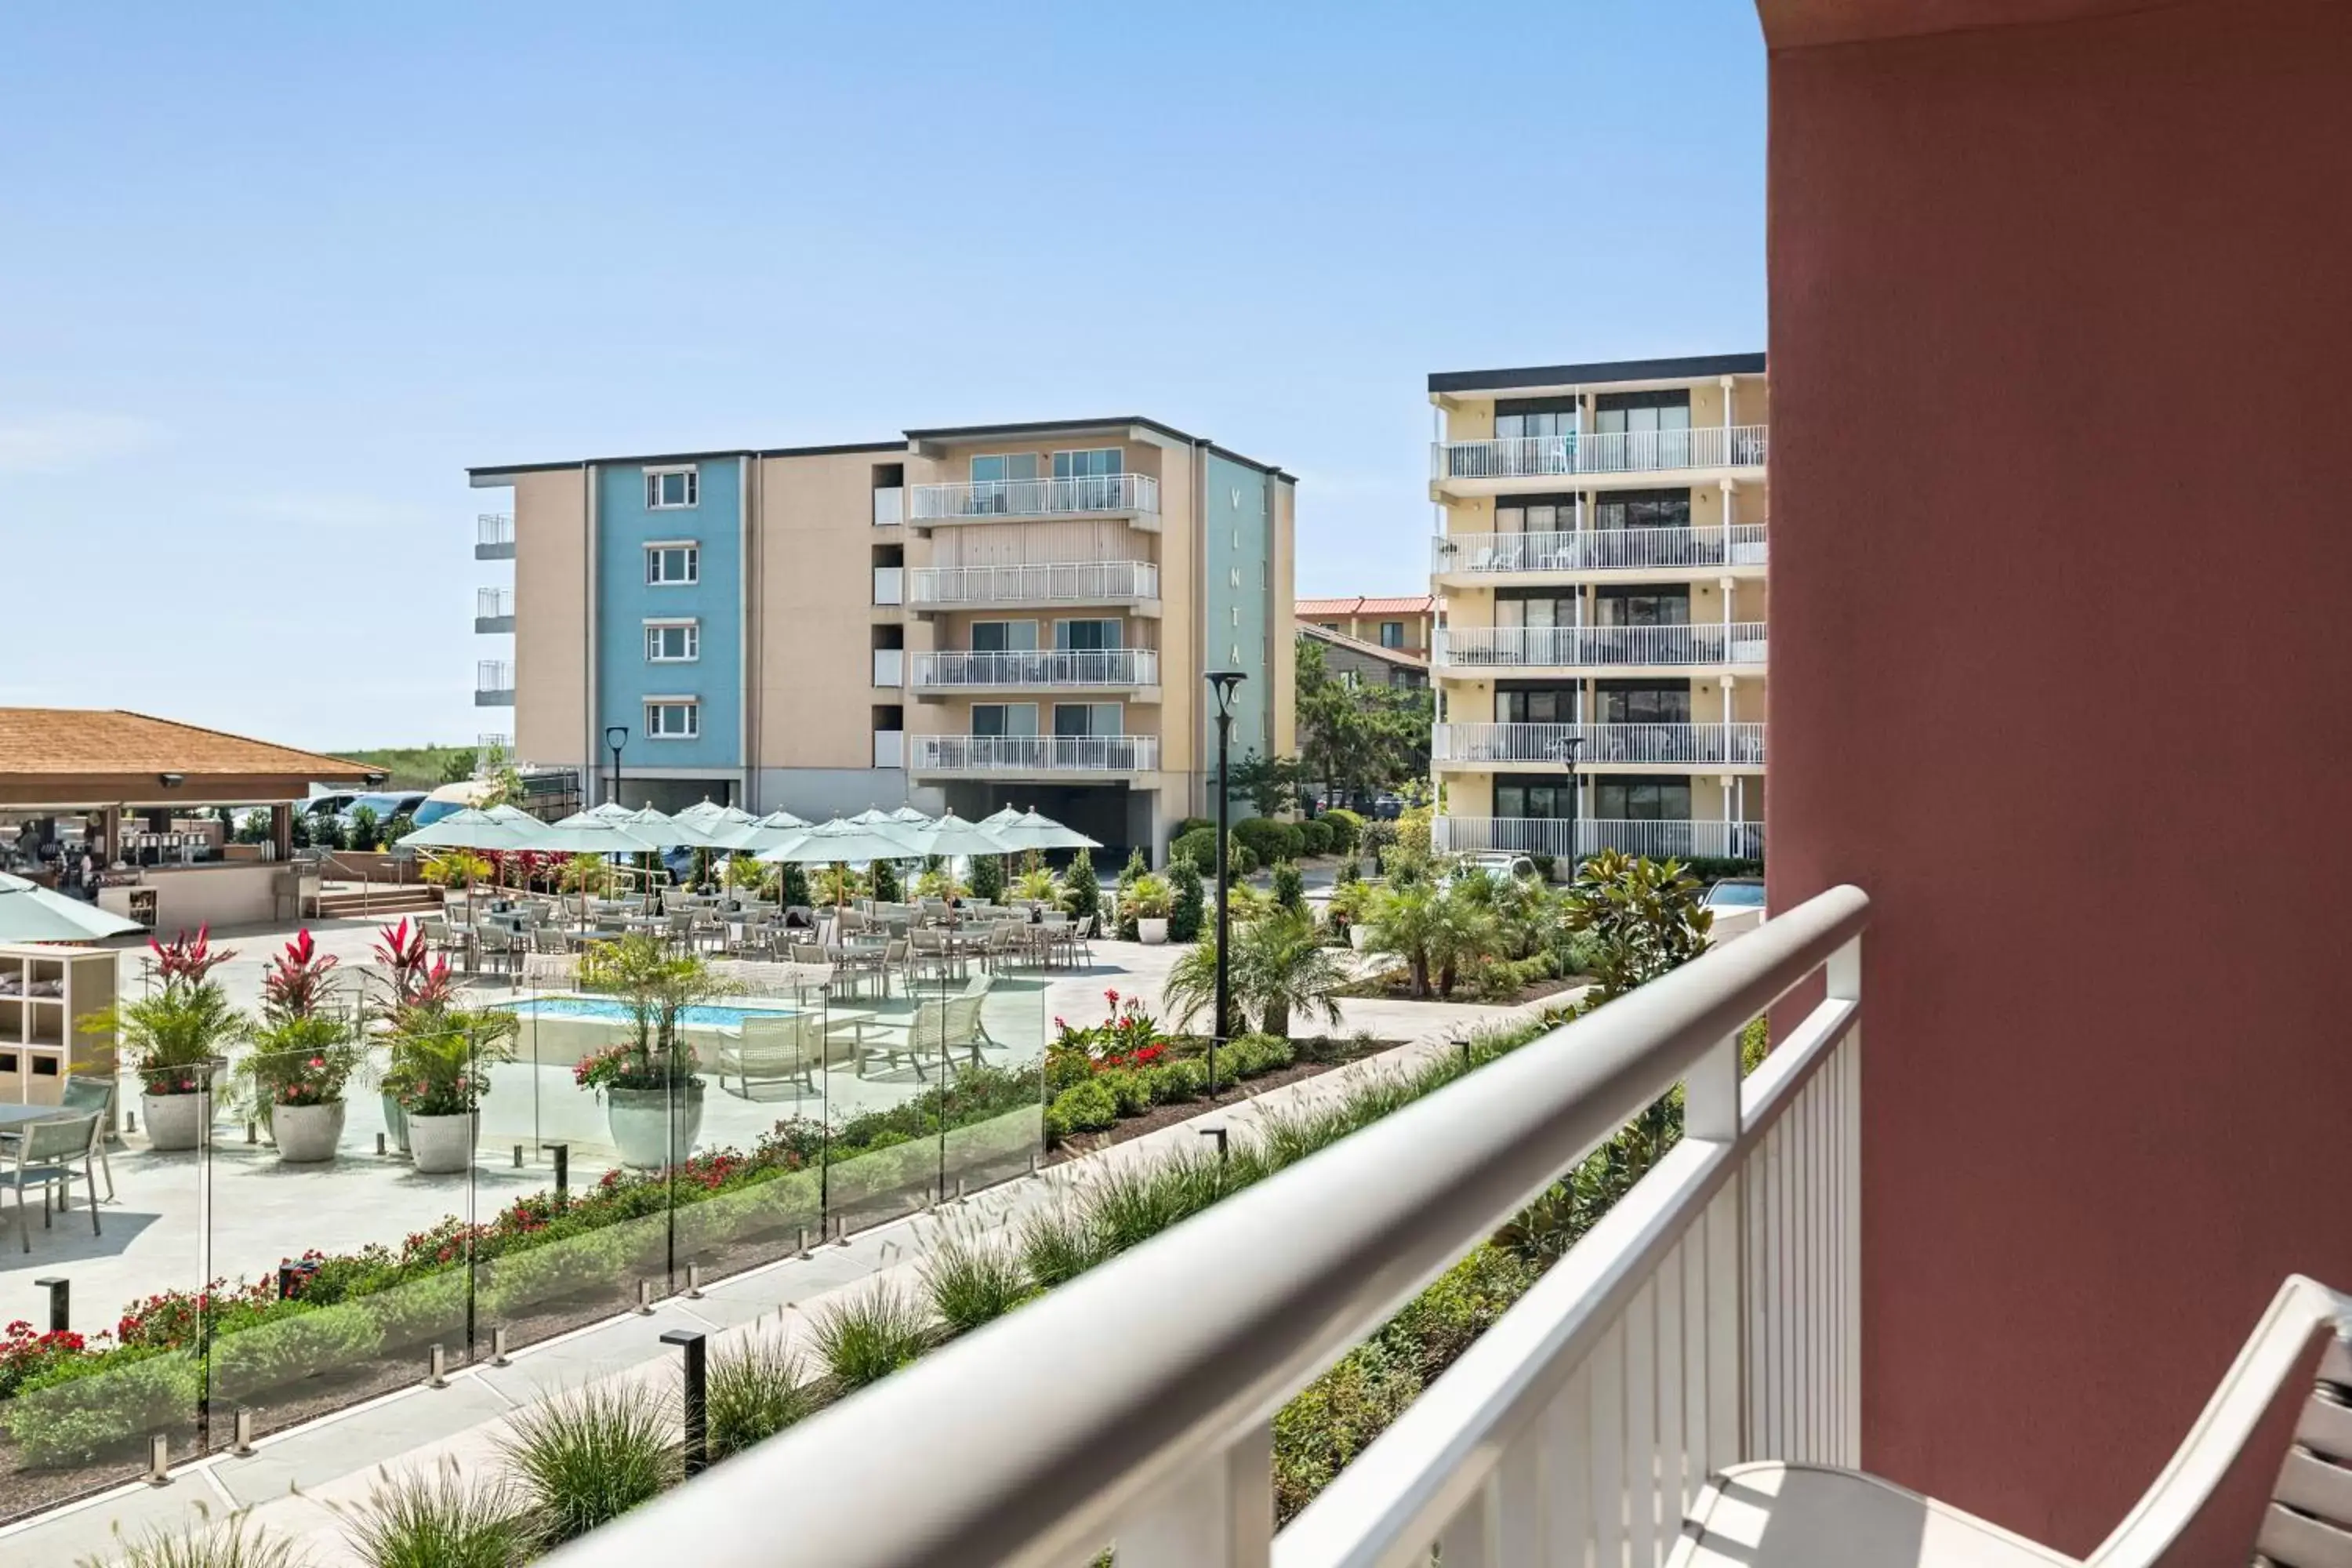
1132	1203
1250	1055
974	1282
865	1338
1316	835
888	886
584	1458
292	1347
795	887
439	1521
1081	890
1290	887
365	829
1200	847
80	1411
1189	904
1085	1106
754	1392
1131	1091
1268	840
1715	868
1182	1079
1192	825
1335	1418
987	878
1347	829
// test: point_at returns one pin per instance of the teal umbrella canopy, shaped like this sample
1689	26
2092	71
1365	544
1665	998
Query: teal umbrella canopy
587	833
910	815
665	832
710	816
1032	830
952	834
32	913
1010	815
766	831
471	829
851	843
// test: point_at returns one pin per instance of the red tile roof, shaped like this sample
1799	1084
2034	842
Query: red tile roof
1413	605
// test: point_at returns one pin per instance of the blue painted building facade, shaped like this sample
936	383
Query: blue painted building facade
626	677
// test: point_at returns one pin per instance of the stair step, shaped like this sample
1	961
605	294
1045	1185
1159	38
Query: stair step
345	905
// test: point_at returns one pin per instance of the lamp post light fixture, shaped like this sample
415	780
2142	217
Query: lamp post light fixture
1563	750
1225	683
615	737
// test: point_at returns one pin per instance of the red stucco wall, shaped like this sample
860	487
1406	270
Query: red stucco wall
2061	647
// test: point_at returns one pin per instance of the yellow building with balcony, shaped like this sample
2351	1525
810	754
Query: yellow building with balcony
1600	568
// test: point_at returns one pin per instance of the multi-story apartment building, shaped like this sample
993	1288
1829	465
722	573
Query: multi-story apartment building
1600	562
968	619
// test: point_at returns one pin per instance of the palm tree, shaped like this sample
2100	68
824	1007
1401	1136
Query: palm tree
1465	933
1278	968
1404	923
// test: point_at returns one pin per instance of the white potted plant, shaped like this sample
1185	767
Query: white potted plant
1151	897
304	1055
175	1039
441	1061
653	1100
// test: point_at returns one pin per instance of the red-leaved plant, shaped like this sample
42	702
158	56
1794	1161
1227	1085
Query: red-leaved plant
186	960
296	982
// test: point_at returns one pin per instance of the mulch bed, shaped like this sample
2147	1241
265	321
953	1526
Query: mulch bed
1160	1116
1401	990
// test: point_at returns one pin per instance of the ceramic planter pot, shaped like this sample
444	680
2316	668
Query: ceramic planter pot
395	1122
305	1134
175	1120
648	1123
443	1146
1152	932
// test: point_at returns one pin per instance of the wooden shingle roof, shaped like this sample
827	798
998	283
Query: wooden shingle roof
93	742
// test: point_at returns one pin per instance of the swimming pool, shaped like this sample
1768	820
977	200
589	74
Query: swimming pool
604	1010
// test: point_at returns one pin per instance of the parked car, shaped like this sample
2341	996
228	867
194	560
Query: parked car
1388	807
329	805
1496	865
449	799
385	804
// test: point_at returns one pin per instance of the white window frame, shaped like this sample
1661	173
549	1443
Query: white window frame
654	478
655	548
693	707
693	629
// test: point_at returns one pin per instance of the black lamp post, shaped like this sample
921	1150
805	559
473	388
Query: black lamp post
1223	682
1564	750
615	737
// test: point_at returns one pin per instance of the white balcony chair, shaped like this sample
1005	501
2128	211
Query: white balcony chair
1782	1516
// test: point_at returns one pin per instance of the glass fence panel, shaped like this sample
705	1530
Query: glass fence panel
994	1124
80	1404
883	1111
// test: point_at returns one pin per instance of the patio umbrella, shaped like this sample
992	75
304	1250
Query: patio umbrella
472	829
952	834
1033	830
32	913
707	813
843	843
910	815
1000	818
765	832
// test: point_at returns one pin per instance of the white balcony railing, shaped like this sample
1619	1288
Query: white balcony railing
1598	550
890	506
1716	745
1035	754
494	684
889	747
1552	835
1713	642
889	667
1711	1317
1045	667
494	536
1618	452
1094	494
1064	581
889	584
494	603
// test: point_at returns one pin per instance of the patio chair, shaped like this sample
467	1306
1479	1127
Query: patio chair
499	943
548	940
808	952
1779	1515
93	1094
1004	945
46	1152
774	1050
929	952
551	972
937	1029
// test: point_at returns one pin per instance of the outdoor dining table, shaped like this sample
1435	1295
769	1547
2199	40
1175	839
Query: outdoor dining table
15	1116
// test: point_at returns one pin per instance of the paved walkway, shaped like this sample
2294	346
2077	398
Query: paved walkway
293	1479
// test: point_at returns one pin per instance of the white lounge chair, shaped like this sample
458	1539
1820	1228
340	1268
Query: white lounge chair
1808	1516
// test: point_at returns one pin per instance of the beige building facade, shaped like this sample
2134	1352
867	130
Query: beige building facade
1600	570
969	618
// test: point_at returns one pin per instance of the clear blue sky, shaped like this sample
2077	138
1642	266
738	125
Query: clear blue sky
272	276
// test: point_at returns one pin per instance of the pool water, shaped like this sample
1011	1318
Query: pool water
604	1010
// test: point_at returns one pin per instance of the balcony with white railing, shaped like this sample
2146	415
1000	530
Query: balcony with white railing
1135	496
1560	838
494	684
1712	1316
1513	462
1678	746
1034	753
1735	644
1052	582
494	610
494	536
890	506
1738	549
889	584
1106	668
889	667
